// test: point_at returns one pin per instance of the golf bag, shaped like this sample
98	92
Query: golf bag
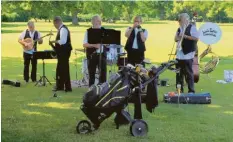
101	101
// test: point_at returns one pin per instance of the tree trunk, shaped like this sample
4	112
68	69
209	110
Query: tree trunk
75	18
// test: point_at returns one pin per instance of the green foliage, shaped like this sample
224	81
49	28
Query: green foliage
215	11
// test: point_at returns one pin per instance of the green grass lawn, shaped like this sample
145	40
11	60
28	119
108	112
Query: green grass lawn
30	113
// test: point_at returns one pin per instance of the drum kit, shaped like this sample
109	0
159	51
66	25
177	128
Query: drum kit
116	56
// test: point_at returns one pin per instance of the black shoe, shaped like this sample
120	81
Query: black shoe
68	90
57	89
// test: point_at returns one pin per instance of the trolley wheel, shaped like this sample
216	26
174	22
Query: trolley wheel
83	127
138	128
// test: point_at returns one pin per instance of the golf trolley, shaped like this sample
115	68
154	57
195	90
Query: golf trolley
132	89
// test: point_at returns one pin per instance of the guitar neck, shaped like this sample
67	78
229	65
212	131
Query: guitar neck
40	38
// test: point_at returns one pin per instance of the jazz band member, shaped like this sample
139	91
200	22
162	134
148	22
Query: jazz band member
186	51
93	53
63	49
135	44
27	54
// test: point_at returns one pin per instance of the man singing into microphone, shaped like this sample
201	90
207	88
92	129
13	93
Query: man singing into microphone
186	51
135	44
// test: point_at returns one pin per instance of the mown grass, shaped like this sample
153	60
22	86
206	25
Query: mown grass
30	113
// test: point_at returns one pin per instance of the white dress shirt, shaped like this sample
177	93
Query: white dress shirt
63	35
135	43
180	55
22	35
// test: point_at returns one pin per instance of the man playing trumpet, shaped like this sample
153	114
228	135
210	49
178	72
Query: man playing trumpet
135	44
29	33
186	38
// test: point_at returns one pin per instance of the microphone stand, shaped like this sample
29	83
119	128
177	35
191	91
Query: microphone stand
100	55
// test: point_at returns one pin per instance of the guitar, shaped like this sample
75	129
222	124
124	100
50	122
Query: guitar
30	42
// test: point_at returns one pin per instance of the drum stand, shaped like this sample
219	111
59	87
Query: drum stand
76	67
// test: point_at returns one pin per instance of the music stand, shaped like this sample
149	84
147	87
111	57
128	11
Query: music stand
44	55
103	36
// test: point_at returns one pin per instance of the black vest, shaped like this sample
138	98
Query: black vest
65	47
27	35
90	51
129	42
188	45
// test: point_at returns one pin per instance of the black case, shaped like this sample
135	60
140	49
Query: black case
10	82
202	98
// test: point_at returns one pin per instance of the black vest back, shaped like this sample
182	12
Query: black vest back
27	35
90	51
67	46
188	45
129	42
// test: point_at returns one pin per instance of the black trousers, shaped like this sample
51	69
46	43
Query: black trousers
63	71
135	57
93	63
186	72
27	59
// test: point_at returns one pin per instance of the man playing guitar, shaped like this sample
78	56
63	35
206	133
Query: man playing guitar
29	48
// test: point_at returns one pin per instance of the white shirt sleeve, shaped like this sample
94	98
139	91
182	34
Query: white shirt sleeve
194	32
63	36
39	34
22	35
146	34
85	40
127	30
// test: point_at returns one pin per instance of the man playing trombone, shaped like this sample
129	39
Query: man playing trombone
186	38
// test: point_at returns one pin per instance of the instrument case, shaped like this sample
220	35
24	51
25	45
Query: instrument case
201	98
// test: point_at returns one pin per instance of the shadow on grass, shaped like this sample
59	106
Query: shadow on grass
17	31
155	22
105	26
4	25
228	25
